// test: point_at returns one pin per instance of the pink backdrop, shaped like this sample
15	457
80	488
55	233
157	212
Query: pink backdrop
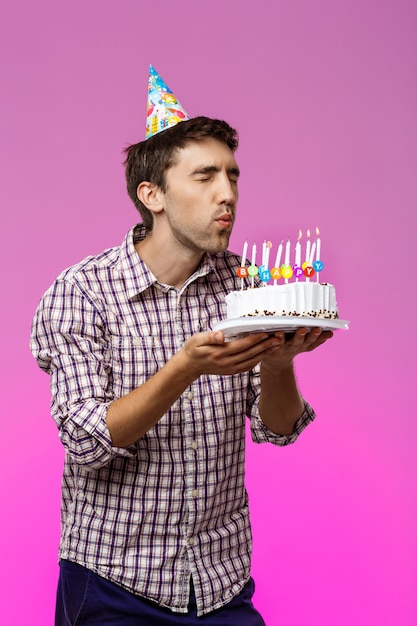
323	93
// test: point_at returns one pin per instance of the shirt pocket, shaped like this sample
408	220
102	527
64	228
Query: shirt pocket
134	359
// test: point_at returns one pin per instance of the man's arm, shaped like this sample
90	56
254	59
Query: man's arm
280	403
131	416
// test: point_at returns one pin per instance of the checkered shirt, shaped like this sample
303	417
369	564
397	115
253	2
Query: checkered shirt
173	505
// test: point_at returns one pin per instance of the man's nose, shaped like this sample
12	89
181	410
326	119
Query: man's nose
227	191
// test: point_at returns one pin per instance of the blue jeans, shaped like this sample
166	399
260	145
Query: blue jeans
86	599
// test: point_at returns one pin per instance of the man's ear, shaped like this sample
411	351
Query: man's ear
151	196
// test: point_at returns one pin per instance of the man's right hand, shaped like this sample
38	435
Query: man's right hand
209	353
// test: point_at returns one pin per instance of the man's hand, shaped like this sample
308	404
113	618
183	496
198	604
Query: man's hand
281	403
131	416
209	353
283	352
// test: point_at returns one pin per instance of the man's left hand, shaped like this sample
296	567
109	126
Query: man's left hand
281	355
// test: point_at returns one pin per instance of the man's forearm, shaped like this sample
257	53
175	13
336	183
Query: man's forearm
280	403
130	417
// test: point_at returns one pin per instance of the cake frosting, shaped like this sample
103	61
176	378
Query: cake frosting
300	299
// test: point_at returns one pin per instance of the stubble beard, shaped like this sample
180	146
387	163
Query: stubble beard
202	242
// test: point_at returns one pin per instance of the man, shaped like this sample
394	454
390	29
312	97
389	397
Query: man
151	403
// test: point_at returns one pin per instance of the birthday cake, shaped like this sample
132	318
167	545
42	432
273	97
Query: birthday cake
297	299
300	295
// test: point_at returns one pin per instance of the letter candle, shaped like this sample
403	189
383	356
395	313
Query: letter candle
308	265
264	273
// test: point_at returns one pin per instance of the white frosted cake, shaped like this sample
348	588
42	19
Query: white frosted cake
300	299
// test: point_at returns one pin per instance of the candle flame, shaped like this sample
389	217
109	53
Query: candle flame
317	232
269	244
300	234
308	234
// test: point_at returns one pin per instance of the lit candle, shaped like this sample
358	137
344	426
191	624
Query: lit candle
253	263
243	261
279	255
244	253
298	250
308	246
287	260
264	254
318	250
267	251
287	252
313	249
278	259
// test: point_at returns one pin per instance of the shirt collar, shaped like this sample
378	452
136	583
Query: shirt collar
138	277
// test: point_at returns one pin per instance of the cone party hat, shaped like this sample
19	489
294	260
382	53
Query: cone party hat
163	110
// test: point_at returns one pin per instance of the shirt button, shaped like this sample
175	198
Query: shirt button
190	395
194	445
194	493
191	541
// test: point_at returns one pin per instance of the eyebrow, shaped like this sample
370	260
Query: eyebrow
208	169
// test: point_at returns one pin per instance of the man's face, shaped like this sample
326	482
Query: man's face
201	196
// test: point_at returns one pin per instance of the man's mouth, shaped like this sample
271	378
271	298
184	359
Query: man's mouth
225	220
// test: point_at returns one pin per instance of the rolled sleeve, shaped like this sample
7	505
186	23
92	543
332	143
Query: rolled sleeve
69	343
259	431
262	434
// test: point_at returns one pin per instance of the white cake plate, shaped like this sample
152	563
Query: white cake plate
269	323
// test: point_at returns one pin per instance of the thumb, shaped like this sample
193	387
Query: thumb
217	337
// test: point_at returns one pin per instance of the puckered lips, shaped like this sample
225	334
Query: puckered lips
225	220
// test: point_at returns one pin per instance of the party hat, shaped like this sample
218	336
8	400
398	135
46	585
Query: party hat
164	110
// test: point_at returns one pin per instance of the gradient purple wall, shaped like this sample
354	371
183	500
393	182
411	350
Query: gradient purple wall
324	95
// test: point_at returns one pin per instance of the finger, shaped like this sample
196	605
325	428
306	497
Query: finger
325	336
299	337
254	340
236	345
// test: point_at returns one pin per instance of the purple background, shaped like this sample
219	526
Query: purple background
324	95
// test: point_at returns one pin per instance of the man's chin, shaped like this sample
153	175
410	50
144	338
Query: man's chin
221	245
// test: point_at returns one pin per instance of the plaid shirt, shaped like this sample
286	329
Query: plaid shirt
174	504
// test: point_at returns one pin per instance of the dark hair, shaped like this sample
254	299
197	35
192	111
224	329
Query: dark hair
150	159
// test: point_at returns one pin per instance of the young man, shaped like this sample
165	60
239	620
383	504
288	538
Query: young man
151	403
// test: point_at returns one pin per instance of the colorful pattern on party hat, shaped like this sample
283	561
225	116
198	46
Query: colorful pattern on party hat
164	110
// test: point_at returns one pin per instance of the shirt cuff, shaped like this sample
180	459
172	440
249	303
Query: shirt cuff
262	434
